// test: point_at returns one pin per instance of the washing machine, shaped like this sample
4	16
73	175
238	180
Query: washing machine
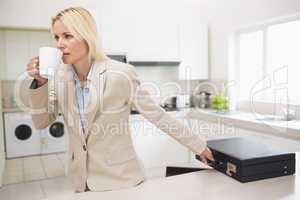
21	138
53	138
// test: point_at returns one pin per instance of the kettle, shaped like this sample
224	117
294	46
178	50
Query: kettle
202	100
183	101
170	102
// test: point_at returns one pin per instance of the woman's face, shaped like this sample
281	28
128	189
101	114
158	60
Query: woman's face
73	49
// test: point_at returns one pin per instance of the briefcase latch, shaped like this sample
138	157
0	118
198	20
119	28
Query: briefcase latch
231	168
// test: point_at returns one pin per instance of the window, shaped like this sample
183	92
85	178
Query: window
268	62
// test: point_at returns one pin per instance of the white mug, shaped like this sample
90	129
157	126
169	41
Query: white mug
49	59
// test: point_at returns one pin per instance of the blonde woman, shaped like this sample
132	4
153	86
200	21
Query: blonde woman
95	95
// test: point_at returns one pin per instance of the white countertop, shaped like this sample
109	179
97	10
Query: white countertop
203	185
288	129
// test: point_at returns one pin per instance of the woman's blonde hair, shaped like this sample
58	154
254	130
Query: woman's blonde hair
82	25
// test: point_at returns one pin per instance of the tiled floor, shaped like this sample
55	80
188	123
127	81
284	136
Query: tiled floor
37	190
33	168
35	177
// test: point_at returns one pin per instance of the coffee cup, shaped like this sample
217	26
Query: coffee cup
49	59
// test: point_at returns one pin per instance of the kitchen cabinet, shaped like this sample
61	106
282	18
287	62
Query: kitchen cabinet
2	153
18	47
2	55
114	34
16	53
38	39
154	147
193	45
141	40
153	38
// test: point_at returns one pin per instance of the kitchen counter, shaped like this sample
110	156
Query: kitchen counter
288	129
203	185
11	110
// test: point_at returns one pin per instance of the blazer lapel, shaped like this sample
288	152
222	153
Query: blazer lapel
97	86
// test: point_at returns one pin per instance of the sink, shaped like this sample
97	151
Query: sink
273	118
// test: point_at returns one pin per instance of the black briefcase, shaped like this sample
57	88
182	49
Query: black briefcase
247	160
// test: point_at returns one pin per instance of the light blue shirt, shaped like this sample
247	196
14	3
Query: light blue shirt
82	95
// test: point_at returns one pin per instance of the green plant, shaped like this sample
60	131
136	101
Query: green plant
220	101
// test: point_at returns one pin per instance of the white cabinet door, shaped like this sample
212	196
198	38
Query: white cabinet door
17	53
114	34
19	47
2	153
153	38
112	23
38	39
2	55
154	147
193	50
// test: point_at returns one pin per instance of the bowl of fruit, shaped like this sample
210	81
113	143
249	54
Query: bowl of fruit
220	102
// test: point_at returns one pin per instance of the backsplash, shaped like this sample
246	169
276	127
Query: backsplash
162	81
9	100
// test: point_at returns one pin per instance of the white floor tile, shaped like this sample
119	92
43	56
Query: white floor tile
23	191
14	164
53	166
63	158
13	178
32	176
32	162
33	169
13	172
57	186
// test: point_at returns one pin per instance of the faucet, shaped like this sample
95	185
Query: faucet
288	114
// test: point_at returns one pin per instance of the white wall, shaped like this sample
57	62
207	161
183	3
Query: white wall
2	153
25	13
223	17
2	55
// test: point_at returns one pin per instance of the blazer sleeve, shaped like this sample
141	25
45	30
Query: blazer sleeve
43	111
148	108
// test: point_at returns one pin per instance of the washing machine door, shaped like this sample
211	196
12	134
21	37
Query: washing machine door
56	129
23	132
21	138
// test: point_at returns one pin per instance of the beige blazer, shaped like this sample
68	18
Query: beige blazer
104	157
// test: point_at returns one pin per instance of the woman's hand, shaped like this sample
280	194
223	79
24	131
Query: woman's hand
206	155
33	71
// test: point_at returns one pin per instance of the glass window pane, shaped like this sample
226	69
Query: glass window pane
283	48
250	63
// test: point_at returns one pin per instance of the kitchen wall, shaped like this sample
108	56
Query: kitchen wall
162	81
223	17
2	56
8	93
2	154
